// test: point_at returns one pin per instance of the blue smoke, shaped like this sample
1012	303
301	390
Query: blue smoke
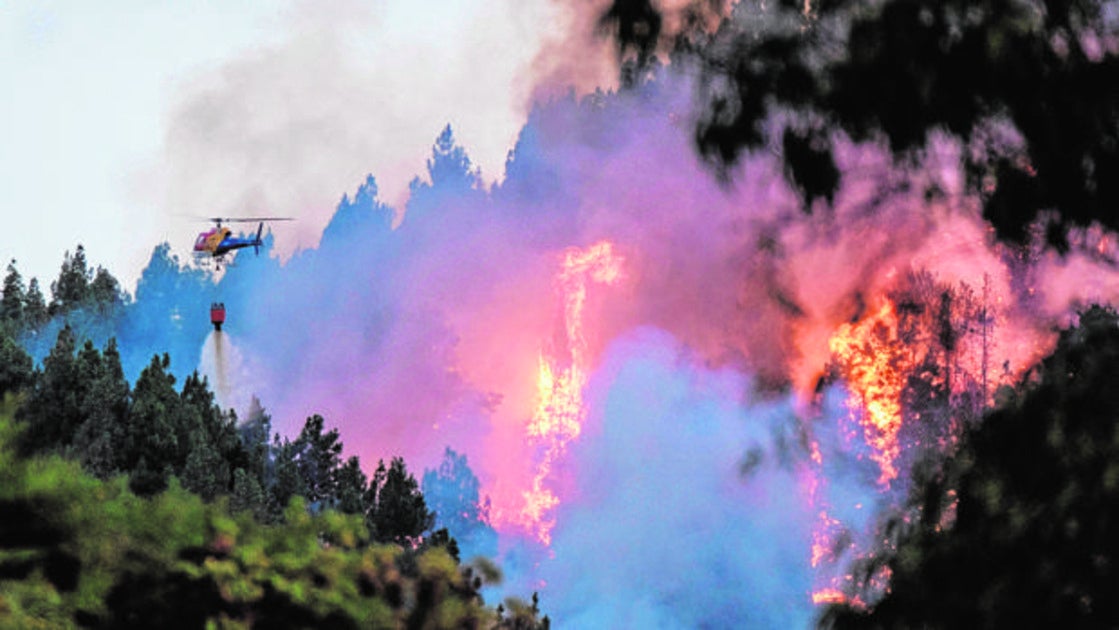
692	509
452	491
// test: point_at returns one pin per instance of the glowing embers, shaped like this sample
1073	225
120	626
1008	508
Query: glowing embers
874	363
561	377
829	596
829	536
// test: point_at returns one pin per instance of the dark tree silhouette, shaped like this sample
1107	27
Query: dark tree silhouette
350	485
11	303
71	290
99	441
397	511
151	440
16	366
284	481
1031	87
53	407
34	307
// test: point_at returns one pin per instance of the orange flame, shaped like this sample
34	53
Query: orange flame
829	596
561	378
822	538
874	363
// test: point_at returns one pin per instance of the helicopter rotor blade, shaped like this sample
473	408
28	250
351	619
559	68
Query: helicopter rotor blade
247	219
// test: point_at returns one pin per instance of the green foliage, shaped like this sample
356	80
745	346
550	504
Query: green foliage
1021	528
76	551
517	615
442	538
206	472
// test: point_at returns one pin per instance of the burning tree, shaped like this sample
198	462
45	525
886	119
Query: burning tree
1019	529
915	363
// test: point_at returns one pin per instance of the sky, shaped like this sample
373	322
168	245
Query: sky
126	122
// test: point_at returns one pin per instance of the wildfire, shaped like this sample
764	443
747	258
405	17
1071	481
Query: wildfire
561	377
873	361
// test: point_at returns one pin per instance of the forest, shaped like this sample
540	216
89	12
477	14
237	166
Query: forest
139	505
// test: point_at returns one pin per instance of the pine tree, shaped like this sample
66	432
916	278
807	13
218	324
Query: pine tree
452	492
52	411
99	441
35	312
205	472
285	482
11	304
202	419
397	510
16	367
318	457
104	291
71	290
255	434
350	485
449	165
151	442
248	496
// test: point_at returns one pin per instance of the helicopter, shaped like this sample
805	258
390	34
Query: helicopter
215	243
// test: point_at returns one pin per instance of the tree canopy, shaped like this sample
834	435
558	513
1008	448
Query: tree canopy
76	551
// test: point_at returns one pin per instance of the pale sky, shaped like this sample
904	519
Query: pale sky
121	119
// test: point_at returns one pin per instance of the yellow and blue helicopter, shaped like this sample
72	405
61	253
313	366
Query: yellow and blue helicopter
215	243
